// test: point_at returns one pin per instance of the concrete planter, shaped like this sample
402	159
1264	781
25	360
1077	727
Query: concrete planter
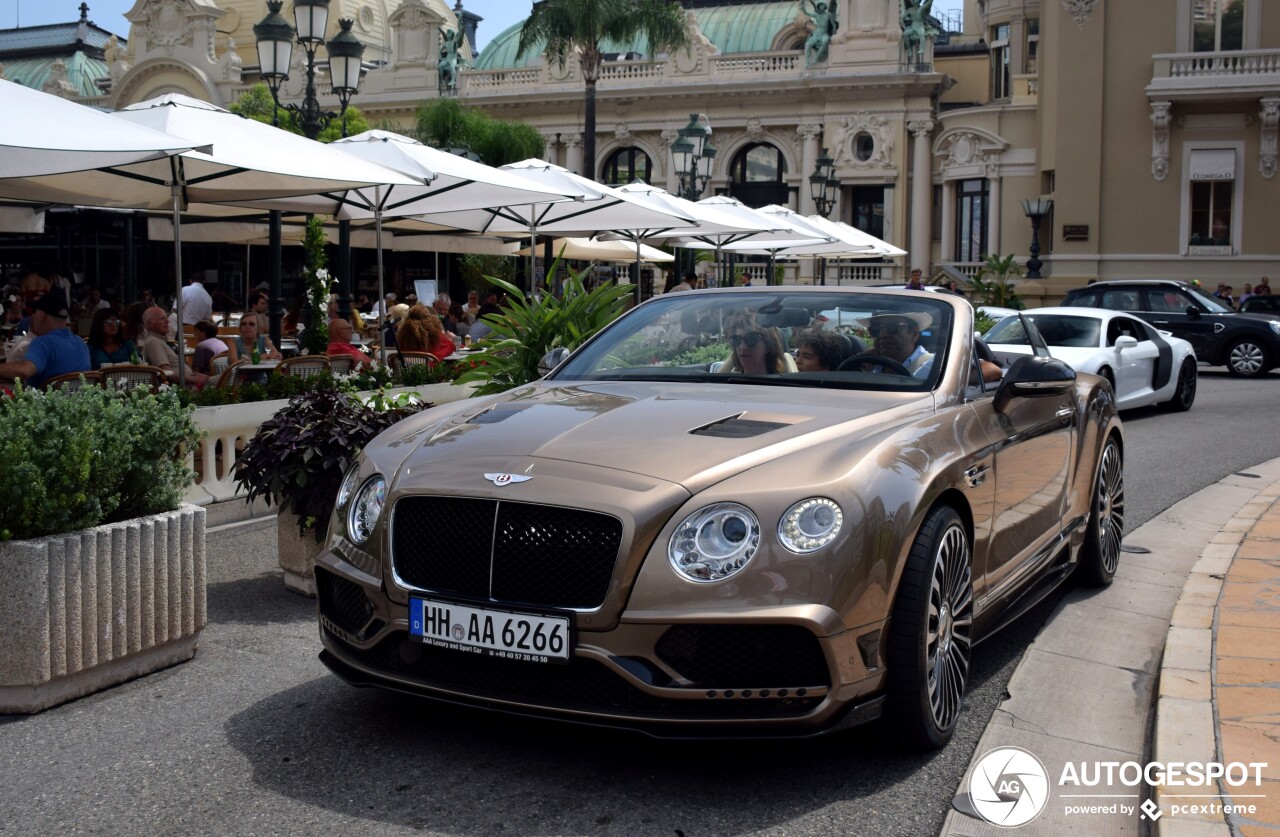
297	554
87	610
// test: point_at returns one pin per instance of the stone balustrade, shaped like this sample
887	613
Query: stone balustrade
758	64
1209	75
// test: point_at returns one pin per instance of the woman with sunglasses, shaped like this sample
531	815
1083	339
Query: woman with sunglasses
756	350
106	343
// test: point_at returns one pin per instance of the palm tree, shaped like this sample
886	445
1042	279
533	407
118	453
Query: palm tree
566	26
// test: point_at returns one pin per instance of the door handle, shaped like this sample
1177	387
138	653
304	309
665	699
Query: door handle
1064	413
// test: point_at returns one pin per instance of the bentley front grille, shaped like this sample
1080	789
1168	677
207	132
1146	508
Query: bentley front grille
521	553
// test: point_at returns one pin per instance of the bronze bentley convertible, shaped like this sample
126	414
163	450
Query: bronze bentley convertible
779	510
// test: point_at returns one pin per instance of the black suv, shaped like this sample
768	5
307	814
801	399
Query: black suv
1247	344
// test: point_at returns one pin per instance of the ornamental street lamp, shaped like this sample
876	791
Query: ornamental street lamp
1035	209
693	154
275	51
822	188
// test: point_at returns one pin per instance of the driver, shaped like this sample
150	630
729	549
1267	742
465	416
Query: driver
896	336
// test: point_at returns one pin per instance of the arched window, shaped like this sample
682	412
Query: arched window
757	173
626	165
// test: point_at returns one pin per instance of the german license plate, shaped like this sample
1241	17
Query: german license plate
505	634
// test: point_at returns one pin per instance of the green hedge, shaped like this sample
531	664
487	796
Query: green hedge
76	459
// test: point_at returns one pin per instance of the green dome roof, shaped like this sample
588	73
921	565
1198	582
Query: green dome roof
748	28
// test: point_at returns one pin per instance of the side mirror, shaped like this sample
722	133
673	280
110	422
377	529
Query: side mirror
1193	312
1124	341
1034	377
552	359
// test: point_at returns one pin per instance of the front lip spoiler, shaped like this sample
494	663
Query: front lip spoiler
857	715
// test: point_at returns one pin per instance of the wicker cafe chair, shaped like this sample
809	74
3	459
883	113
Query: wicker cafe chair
400	360
342	364
126	377
230	377
219	363
72	381
303	366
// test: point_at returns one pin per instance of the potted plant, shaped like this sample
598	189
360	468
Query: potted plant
103	565
998	288
529	327
297	460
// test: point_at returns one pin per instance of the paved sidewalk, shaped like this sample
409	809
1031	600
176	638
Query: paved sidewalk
1177	661
1220	680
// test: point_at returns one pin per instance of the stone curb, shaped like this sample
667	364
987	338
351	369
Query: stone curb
1186	727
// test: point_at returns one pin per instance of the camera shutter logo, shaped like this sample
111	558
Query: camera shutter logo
1009	787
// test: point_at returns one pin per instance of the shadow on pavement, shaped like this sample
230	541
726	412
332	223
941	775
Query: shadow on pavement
259	600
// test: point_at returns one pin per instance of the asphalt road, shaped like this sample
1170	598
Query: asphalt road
255	737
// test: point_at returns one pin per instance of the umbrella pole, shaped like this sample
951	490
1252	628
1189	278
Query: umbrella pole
177	274
382	291
533	248
635	239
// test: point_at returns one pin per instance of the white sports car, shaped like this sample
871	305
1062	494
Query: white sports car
1144	365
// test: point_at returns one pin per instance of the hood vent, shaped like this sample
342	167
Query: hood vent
737	427
500	412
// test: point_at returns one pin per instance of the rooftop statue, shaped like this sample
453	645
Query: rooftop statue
826	20
916	28
450	59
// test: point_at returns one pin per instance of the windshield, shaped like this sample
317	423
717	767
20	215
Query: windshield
1057	330
792	337
1214	306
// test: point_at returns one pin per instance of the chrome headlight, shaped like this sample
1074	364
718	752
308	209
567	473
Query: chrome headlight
366	509
810	525
715	542
348	485
1275	327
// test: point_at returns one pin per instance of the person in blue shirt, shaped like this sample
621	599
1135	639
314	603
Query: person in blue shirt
55	351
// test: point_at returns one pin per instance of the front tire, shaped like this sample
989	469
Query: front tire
931	633
1185	393
1100	555
1247	358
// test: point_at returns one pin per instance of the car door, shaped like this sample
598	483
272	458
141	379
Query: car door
1134	365
1170	310
1034	441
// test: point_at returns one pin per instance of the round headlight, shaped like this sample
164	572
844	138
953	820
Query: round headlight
715	542
348	485
366	508
810	524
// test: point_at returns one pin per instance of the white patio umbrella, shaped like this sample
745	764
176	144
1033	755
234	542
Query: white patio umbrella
48	135
600	208
590	249
251	161
792	230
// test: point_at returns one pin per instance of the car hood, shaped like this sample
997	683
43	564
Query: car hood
692	435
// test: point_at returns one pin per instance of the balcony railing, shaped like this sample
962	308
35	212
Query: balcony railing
491	80
757	63
1215	74
624	71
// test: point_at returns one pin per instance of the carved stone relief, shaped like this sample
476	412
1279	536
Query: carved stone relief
1267	152
756	130
58	83
970	154
1079	10
622	132
846	137
1160	119
167	26
229	63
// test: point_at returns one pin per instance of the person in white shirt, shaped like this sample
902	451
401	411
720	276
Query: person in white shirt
197	305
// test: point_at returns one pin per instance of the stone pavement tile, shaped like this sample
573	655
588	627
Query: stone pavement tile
1185	684
1250	594
1192	616
1237	641
1162	559
1245	742
1267	812
1249	704
1184	731
1258	616
1183	827
1201	590
1259	830
1188	648
1128	594
1238	670
1174	578
1239	524
1226	537
1256	548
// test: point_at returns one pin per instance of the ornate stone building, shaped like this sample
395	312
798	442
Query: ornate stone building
1152	126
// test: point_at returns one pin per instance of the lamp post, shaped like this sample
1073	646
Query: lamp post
275	51
822	188
1035	209
693	154
275	39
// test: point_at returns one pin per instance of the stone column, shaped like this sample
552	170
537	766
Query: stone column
948	253
551	151
921	193
810	135
994	190
573	152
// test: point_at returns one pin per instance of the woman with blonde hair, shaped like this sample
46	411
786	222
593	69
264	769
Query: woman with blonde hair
757	350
